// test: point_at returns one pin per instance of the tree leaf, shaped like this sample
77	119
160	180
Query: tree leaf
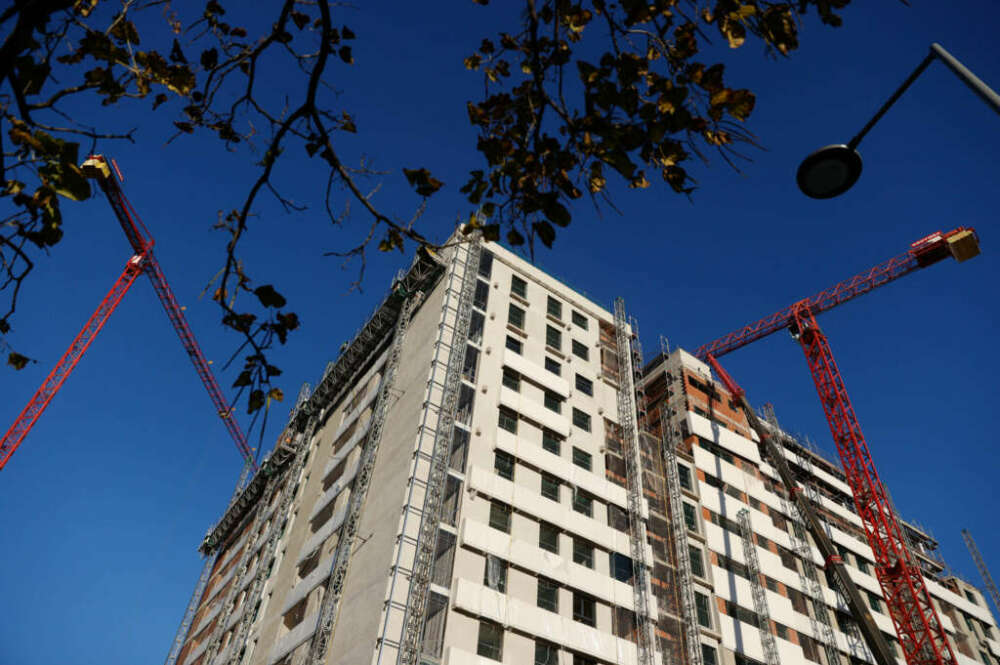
255	401
16	360
275	394
269	297
514	238
422	181
545	232
244	379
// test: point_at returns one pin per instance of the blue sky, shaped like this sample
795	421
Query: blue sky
108	498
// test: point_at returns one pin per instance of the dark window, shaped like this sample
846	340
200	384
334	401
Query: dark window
518	286
709	655
482	296
486	264
553	402
584	385
548	594
548	537
514	345
581	419
583	660
617	518
968	594
470	364
546	653
553	337
500	516
554	307
690	517
621	567
582	459
550	487
583	553
503	464
490	644
809	648
495	575
781	630
515	316
476	326
508	420
684	474
553	366
697	563
772	584
704	613
584	609
579	319
863	566
512	379
787	558
583	503
580	350
551	441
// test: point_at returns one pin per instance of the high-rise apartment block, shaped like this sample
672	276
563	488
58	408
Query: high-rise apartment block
489	472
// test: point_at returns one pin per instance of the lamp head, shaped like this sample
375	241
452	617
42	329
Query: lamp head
829	171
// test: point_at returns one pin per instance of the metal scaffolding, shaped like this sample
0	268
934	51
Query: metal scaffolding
633	469
182	631
759	596
334	589
819	620
449	355
685	578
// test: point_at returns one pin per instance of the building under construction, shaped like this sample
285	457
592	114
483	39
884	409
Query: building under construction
491	472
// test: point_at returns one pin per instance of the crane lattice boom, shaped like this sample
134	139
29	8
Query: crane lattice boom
920	631
97	167
960	243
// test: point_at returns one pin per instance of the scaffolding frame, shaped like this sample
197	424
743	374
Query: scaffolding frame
767	640
819	620
192	608
458	295
334	588
685	577
630	451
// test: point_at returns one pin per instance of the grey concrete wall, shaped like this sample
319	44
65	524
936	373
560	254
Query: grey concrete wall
359	623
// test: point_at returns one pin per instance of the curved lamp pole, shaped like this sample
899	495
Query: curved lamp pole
832	170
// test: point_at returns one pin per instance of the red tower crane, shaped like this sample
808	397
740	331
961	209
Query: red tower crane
920	632
142	261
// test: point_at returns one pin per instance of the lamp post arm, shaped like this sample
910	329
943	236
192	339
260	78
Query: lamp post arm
961	71
975	84
892	100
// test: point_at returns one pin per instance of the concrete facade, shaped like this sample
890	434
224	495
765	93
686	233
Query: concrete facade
533	554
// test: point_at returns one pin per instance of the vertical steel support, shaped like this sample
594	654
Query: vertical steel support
334	588
670	438
921	634
266	558
192	607
759	596
633	469
819	620
430	515
983	570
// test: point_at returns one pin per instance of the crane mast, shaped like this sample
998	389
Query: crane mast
984	572
97	168
920	631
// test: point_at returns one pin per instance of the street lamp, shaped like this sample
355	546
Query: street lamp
832	170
